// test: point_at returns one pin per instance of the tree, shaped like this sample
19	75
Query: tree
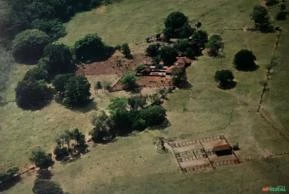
136	102
153	115
53	28
32	94
153	50
225	78
200	38
179	76
214	44
122	120
126	51
117	104
168	55
57	59
245	60
177	26
102	131
46	187
27	47
36	74
91	48
261	18
60	81
77	91
129	81
41	159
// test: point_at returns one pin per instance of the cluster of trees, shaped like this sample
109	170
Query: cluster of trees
125	116
45	15
70	143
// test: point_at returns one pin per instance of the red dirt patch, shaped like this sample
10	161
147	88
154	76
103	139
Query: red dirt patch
115	65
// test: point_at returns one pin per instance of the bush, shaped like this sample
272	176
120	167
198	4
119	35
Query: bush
225	78
136	102
153	115
117	104
77	91
36	74
126	51
60	81
168	55
53	28
153	50
102	131
261	18
177	26
200	38
129	81
123	121
179	77
27	47
245	60
60	152
214	44
41	159
31	94
46	187
57	60
91	48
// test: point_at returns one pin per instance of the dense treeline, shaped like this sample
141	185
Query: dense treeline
45	15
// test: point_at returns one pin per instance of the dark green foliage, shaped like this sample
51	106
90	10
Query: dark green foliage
123	121
179	77
98	85
31	94
271	2
153	115
214	44
70	142
60	81
261	18
177	26
200	38
225	78
57	60
245	60
53	28
42	186
153	50
129	81
41	159
8	177
282	15
117	104
91	48
126	51
77	92
137	102
28	46
36	74
102	131
168	55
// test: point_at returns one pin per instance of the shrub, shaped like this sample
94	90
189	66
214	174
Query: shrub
60	81
36	74
177	26
129	81
225	78
53	28
91	48
60	152
200	38
214	44
122	120
41	159
168	55
58	60
77	91
261	18
126	51
27	47
31	94
117	104
98	85
245	60
179	77
140	68
153	50
153	115
46	187
136	102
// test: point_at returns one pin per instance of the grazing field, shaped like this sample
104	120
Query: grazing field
131	164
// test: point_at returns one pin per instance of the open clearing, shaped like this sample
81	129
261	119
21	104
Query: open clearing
131	164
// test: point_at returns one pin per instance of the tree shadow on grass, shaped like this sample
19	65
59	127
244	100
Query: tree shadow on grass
249	69
12	182
185	86
92	105
228	86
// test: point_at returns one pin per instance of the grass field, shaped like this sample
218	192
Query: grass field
131	164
